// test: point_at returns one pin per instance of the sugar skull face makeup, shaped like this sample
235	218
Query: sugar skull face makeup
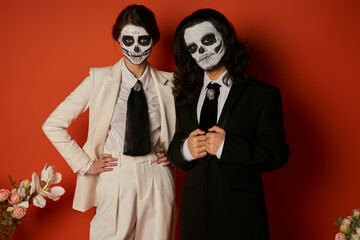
205	44
136	43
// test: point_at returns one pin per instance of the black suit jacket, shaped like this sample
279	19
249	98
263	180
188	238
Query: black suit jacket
223	198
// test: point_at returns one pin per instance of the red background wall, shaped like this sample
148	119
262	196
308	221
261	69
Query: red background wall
308	48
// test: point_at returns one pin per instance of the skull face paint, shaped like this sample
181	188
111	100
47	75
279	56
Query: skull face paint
205	44
136	43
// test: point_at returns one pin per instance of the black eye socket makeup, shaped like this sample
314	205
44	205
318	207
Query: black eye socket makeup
144	40
208	39
128	40
192	48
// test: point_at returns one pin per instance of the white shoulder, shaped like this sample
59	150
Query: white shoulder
167	75
99	72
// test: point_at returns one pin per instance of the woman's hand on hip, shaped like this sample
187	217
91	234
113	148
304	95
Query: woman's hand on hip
103	164
162	157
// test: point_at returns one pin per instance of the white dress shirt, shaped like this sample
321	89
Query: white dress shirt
115	138
224	92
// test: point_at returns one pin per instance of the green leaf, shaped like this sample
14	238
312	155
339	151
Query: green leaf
11	181
336	224
340	220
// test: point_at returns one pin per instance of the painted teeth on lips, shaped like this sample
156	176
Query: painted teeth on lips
138	55
135	55
205	57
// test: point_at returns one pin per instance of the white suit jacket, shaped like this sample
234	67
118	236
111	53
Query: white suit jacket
98	93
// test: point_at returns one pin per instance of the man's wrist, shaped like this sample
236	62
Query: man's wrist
185	151
220	150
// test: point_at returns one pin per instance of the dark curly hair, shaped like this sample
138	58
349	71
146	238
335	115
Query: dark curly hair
138	15
188	77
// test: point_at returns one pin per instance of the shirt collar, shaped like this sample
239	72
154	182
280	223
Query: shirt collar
207	80
129	79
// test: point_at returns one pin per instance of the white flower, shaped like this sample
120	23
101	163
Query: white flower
25	184
48	177
355	237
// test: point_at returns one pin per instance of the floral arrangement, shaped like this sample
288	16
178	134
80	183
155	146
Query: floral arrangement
14	203
349	227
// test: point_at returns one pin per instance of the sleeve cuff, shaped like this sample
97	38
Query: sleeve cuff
85	168
185	151
219	151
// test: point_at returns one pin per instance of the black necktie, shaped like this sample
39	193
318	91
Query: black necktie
137	136
208	115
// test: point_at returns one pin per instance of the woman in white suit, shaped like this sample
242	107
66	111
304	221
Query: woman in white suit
133	192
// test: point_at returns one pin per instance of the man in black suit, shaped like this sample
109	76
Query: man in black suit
230	130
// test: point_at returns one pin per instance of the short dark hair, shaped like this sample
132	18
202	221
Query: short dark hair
137	15
188	77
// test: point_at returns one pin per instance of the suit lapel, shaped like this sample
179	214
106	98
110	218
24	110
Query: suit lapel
106	103
236	91
167	110
193	111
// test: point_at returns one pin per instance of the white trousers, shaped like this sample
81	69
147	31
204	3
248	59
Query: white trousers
135	201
